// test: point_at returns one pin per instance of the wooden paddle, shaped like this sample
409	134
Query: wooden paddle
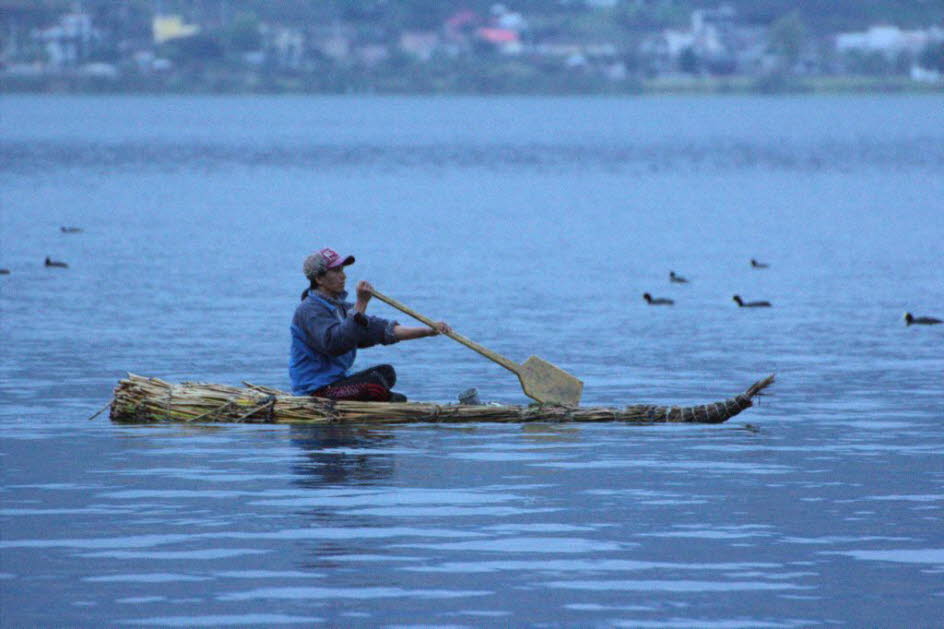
540	380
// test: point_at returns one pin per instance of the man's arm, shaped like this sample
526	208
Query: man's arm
404	333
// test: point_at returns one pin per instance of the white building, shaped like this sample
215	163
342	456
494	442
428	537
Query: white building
888	40
69	42
285	45
712	34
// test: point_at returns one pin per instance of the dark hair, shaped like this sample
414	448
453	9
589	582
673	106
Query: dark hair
310	288
313	285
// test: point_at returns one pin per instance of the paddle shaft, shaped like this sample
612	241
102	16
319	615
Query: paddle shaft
484	351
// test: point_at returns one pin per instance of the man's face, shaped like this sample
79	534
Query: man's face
332	282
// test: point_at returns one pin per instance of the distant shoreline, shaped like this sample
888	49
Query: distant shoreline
656	86
818	85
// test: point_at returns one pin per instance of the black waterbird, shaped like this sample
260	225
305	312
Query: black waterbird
55	263
750	304
911	319
657	302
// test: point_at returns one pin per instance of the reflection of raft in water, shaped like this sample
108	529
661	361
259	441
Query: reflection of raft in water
139	399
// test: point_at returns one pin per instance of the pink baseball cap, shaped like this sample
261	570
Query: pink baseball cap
318	263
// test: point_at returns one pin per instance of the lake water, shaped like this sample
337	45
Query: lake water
533	226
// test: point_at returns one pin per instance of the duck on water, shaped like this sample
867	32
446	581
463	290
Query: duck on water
677	279
750	304
56	263
911	319
758	265
657	301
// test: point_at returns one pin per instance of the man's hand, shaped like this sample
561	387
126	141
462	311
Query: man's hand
364	292
441	327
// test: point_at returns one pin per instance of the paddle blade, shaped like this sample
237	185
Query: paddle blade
548	384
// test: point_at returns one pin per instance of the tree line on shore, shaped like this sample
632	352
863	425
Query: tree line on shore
233	49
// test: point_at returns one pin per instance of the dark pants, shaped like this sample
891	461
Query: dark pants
371	385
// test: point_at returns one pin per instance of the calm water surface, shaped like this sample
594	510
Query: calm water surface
533	226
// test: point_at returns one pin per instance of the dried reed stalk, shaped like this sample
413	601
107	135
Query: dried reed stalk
138	400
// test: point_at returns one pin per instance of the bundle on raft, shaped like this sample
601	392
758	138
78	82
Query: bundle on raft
143	400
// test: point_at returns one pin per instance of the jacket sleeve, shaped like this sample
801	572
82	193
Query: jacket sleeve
380	331
327	334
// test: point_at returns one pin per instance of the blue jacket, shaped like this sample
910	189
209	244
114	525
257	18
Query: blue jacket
326	334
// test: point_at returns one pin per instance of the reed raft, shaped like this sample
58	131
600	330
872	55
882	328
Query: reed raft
145	400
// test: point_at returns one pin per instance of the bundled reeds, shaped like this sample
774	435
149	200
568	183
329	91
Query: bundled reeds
138	400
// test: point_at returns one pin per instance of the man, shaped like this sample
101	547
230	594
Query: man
327	331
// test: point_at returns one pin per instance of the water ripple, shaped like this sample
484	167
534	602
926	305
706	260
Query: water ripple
249	620
316	593
671	586
566	545
706	155
931	556
588	565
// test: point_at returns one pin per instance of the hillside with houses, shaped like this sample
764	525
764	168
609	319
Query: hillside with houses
588	46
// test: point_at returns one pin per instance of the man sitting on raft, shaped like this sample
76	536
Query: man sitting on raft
327	332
